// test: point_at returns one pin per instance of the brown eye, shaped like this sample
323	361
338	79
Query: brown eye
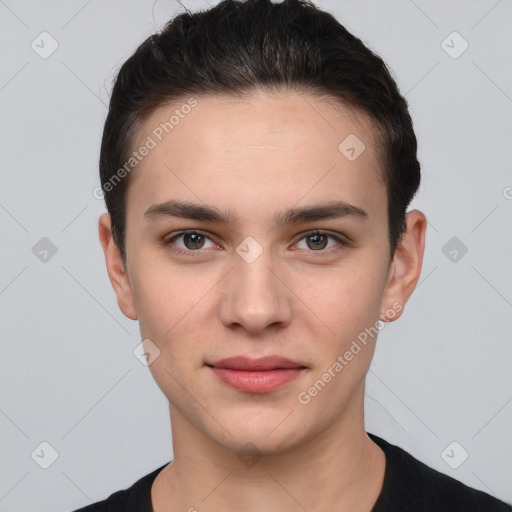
322	242
317	241
188	242
193	241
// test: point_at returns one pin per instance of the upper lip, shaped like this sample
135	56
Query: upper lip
262	363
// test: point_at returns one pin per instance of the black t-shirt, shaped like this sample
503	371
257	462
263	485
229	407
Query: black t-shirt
409	486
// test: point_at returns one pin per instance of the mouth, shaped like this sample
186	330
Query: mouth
261	375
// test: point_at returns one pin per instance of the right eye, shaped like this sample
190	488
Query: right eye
191	241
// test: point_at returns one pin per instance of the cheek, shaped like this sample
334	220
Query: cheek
347	299
170	304
163	294
167	317
349	304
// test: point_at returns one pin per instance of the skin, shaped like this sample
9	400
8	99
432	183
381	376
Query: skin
254	157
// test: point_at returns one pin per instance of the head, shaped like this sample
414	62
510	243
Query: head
254	124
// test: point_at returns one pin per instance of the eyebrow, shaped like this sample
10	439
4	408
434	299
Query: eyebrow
203	212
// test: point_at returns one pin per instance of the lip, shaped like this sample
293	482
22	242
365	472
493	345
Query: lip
250	364
261	375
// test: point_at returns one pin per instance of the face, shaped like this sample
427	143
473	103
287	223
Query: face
281	250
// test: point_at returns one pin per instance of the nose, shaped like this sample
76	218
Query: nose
256	297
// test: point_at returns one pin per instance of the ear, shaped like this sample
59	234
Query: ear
405	268
115	268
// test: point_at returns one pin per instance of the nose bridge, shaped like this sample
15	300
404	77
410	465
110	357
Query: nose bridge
255	298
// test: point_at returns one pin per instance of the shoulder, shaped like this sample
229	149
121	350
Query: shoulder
409	484
136	498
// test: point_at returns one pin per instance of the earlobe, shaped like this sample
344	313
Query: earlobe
115	268
406	267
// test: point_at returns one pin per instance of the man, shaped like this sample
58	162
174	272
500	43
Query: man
257	162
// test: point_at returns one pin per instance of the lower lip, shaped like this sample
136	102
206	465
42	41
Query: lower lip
257	381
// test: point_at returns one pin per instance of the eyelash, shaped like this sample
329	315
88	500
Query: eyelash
169	240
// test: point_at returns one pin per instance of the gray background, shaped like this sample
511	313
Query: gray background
68	375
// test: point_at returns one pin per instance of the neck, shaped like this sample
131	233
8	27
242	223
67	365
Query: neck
339	469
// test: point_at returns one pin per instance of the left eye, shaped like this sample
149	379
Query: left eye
318	241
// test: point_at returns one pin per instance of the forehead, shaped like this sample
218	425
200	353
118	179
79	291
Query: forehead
260	150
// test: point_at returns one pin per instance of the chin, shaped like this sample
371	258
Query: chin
266	430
